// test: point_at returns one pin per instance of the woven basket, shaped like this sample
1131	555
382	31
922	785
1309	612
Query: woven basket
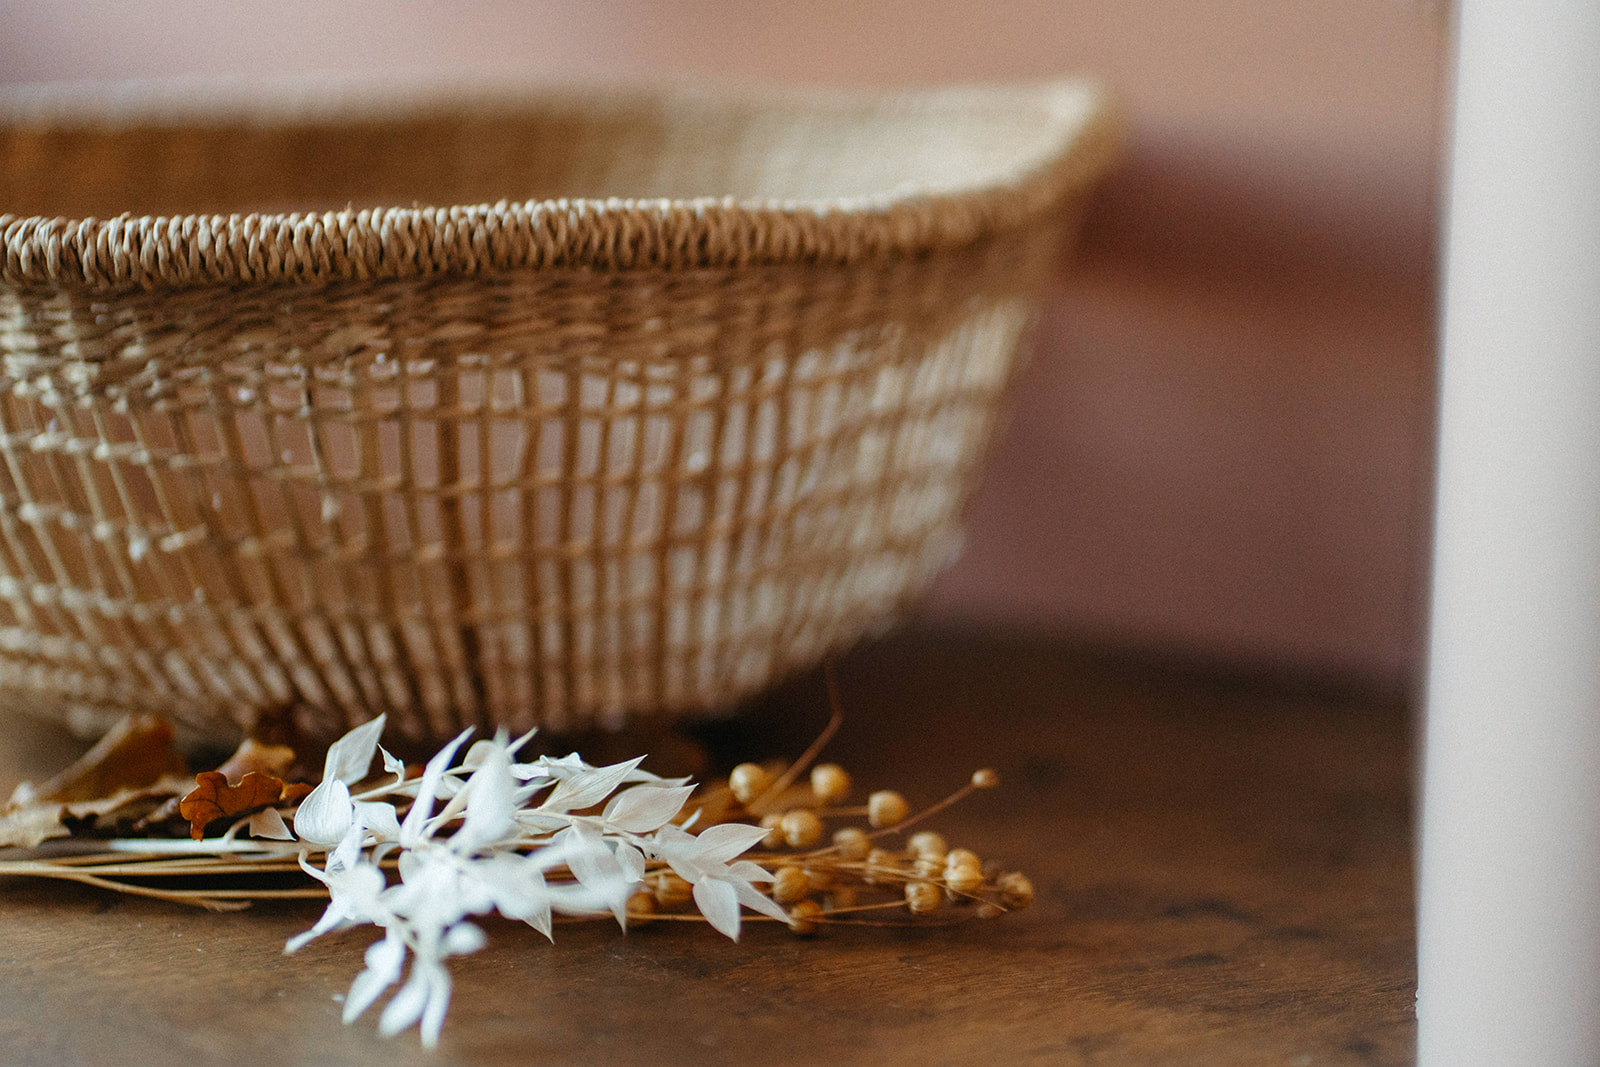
691	396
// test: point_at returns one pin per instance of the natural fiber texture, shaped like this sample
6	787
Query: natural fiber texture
542	462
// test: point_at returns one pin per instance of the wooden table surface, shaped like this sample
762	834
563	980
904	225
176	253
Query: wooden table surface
1223	862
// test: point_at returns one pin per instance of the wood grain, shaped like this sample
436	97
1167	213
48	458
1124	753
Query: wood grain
1223	863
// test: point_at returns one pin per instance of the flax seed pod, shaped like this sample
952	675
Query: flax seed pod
842	898
879	863
803	917
928	845
963	877
801	828
748	781
886	808
669	890
641	908
963	857
852	843
1016	891
923	898
790	885
829	783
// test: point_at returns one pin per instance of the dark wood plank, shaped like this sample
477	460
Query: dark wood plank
1223	863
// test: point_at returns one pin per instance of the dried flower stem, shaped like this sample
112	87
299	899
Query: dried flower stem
798	767
420	855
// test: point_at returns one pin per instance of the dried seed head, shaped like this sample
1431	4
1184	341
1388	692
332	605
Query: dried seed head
803	917
748	781
801	828
772	823
923	898
829	783
821	878
885	808
852	843
963	878
879	862
1016	891
842	897
962	857
928	868
987	910
641	907
669	889
985	778
789	885
928	845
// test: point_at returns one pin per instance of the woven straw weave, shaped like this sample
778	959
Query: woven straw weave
564	457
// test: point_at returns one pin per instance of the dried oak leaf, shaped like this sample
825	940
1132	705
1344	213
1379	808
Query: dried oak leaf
131	769
251	755
214	797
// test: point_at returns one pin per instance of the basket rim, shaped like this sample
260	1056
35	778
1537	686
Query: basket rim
1083	136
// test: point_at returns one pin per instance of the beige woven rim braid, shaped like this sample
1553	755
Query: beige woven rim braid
561	457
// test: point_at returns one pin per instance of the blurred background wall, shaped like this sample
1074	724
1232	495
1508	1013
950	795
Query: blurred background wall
1222	447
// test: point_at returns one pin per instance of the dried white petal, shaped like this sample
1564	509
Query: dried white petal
476	754
719	903
378	818
325	814
489	801
270	825
438	1004
645	808
755	900
586	789
412	831
427	988
519	889
384	959
463	939
631	860
354	897
391	765
350	757
724	841
703	861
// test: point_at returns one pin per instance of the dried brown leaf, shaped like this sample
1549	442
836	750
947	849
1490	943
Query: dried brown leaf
214	797
136	753
273	760
253	755
29	823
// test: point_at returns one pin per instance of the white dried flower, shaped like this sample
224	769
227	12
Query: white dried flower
720	885
485	836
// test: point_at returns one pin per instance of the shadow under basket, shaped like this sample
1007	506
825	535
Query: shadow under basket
689	396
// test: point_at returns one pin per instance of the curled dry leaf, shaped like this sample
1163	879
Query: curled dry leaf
126	774
138	752
253	755
28	823
135	778
214	797
272	760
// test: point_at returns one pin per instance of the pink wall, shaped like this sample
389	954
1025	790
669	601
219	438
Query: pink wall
1222	445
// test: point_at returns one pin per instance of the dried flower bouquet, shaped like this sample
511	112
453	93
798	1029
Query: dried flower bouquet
421	853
